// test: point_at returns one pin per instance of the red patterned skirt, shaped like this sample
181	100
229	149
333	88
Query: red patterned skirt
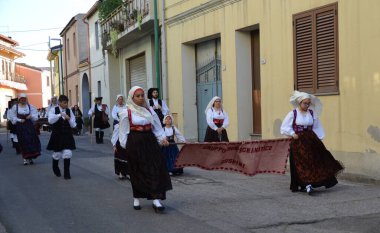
311	163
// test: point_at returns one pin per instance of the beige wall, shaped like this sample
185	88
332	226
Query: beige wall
351	119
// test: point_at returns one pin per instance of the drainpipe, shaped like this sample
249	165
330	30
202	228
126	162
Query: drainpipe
88	58
64	82
164	55
156	45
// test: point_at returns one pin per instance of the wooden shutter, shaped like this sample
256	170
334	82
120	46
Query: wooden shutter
316	50
326	50
303	44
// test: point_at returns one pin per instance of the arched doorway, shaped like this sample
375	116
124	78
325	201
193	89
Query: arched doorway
86	97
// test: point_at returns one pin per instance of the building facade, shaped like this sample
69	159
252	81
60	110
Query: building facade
75	52
255	53
128	37
36	85
10	82
54	56
98	82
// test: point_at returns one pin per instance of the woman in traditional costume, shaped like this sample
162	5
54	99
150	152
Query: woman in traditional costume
120	161
311	164
171	152
23	115
217	121
139	133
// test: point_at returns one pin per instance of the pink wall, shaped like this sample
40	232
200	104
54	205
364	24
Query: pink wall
33	82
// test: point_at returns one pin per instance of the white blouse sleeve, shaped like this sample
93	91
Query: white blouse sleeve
287	125
226	121
33	113
107	111
114	113
209	118
52	117
178	135
115	135
72	122
123	128
90	111
157	127
164	108
13	115
318	129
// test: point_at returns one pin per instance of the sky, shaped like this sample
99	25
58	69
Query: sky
31	22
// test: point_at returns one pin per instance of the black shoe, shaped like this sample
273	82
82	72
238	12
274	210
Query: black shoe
66	169
158	209
30	161
56	169
137	207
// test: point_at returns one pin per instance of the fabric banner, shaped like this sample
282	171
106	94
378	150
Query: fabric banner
248	157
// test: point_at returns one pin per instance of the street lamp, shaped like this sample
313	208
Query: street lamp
60	67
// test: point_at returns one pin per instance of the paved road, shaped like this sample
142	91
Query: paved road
32	200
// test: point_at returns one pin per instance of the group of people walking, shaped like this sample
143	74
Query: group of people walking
145	140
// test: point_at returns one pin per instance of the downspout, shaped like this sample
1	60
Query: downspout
164	55
88	57
156	46
64	81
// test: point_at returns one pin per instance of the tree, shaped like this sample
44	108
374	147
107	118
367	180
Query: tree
107	6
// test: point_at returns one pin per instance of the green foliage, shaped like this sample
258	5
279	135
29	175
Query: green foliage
107	6
114	35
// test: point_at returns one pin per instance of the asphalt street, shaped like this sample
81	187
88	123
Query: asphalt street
33	200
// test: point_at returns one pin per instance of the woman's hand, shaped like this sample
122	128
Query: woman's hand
29	117
295	136
164	142
114	149
219	130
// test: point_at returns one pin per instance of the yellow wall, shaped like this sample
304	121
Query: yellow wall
351	119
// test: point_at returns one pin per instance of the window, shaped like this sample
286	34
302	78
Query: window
6	70
3	65
99	89
97	35
68	49
74	45
315	34
47	81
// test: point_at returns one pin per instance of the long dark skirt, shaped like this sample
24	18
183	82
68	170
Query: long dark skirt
171	154
311	163
29	142
213	136
120	161
147	166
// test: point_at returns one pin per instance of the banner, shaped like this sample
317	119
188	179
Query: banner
248	157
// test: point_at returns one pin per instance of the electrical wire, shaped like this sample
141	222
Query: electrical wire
32	30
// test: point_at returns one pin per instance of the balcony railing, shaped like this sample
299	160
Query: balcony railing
125	16
13	77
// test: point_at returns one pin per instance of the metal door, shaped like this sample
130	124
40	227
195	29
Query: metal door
137	69
209	84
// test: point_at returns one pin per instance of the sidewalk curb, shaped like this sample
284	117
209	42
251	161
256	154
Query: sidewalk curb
358	178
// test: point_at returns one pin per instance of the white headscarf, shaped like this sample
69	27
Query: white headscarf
315	103
136	109
211	103
119	95
163	120
22	95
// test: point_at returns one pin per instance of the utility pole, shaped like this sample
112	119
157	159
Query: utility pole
51	73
